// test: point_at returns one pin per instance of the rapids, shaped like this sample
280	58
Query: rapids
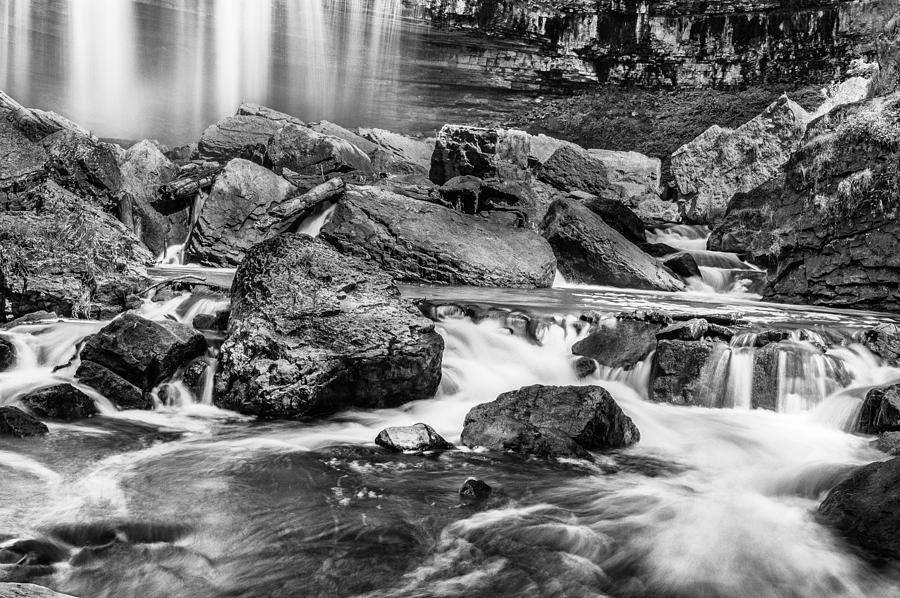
711	502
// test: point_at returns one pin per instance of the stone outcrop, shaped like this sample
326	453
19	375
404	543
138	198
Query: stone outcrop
139	352
422	242
418	437
306	152
864	508
234	216
715	166
62	401
827	224
590	251
313	332
479	152
18	424
550	421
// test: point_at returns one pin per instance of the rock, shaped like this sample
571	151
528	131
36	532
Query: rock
117	389
36	316
23	160
313	332
325	127
549	421
633	174
479	152
657	249
590	251
680	372
474	489
398	154
307	152
144	171
15	422
623	345
63	401
418	437
463	193
68	257
574	169
683	264
233	217
889	443
884	341
880	411
279	118
149	226
195	376
241	136
140	351
864	508
584	367
690	330
413	186
28	590
423	242
721	162
85	166
764	394
616	215
8	355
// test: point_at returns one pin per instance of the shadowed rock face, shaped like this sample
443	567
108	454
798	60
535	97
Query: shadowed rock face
62	401
424	242
313	332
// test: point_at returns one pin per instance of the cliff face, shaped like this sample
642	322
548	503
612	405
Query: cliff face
544	45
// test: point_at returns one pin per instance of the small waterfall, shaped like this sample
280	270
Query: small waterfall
312	224
686	237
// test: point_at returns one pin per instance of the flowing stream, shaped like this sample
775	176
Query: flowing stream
711	502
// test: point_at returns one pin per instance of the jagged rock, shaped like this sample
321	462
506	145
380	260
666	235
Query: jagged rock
279	118
590	251
144	171
306	152
423	242
864	508
880	411
633	174
23	160
68	257
721	162
889	443
690	330
234	216
884	341
7	354
679	374
683	264
240	136
28	590
622	345
573	169
616	215
329	128
548	421
117	389
658	249
62	401
142	352
15	422
764	394
149	226
418	437
37	316
313	331
195	375
479	152
398	154
473	489
85	166
771	336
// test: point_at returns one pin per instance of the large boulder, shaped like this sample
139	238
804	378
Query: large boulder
8	354
417	437
864	508
618	216
632	174
479	152
681	372
423	242
68	256
623	343
827	225
61	401
145	169
306	152
141	352
571	168
122	393
549	421
880	411
721	162
18	424
313	332
398	154
84	165
884	341
233	217
240	136
590	251
23	160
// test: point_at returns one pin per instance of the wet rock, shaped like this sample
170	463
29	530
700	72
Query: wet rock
880	411
398	154
616	215
767	337
234	216
884	341
306	152
633	174
584	367
63	402
7	354
463	193
683	264
721	162
145	170
530	198
548	421
474	489
864	508
28	590
413	186
590	251
85	166
313	331
422	242
241	136
117	389
37	316
325	127
889	442
690	330
279	118
679	374
764	394
15	422
23	163
623	345
142	352
479	152
149	226
195	376
573	169
418	437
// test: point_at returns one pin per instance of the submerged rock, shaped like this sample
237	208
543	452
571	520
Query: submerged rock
550	421
864	508
571	168
880	411
313	331
418	437
619	217
590	251
422	242
474	489
398	154
15	422
62	401
145	170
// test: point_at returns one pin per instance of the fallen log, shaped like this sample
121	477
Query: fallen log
191	179
285	216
